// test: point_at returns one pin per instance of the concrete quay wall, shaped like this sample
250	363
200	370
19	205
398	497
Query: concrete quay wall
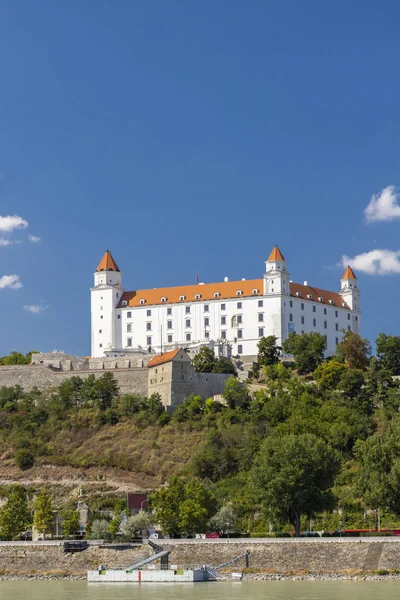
286	557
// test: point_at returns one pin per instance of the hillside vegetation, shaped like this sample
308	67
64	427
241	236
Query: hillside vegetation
320	440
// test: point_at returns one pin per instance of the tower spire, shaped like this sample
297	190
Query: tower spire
107	263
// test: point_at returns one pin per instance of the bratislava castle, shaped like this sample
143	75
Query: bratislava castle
230	316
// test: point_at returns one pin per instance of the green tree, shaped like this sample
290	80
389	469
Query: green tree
106	389
43	513
115	525
354	350
141	522
99	529
183	506
24	458
224	365
17	358
204	360
235	393
70	522
225	520
308	350
328	374
293	476
388	352
15	516
268	351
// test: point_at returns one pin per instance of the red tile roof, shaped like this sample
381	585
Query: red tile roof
160	359
107	263
225	289
276	254
349	274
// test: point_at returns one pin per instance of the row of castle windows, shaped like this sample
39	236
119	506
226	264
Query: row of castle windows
206	308
236	320
325	322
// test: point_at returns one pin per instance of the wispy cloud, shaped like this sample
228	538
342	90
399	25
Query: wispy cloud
375	262
9	223
35	309
383	206
10	281
34	238
4	242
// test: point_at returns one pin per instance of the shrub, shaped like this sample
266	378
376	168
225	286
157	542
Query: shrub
383	572
24	458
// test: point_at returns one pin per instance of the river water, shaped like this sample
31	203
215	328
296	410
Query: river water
241	590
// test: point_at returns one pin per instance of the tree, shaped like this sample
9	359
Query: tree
235	393
293	476
99	529
354	350
70	522
139	522
328	374
15	516
308	350
224	520
115	525
106	389
388	352
204	360
43	513
24	458
224	365
184	506
268	351
17	358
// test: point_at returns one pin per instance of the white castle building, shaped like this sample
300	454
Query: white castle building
230	316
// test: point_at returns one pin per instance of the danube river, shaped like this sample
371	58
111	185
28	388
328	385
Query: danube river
241	590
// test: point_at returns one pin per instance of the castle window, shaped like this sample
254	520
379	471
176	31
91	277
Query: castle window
240	349
260	317
206	308
309	296
239	305
223	306
207	334
181	297
255	291
169	324
100	331
261	332
148	312
197	296
348	316
324	311
206	322
337	326
240	333
148	340
291	303
169	311
325	324
142	301
260	303
216	294
187	309
129	342
100	345
239	319
348	328
314	322
119	316
239	293
330	301
169	339
223	320
187	322
124	303
163	299
148	326
291	318
337	341
356	318
326	338
101	308
129	327
302	320
320	299
313	308
129	315
302	306
223	334
298	294
188	338
336	314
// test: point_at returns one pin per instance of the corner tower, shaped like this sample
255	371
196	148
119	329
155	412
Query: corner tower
105	297
276	277
349	290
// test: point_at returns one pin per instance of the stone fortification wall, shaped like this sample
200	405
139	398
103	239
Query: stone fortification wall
275	557
68	362
130	380
202	384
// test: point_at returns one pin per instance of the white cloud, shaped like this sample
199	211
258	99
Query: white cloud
35	309
383	206
4	242
375	262
10	281
34	238
10	223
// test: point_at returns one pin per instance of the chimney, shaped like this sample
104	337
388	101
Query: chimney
226	279
306	283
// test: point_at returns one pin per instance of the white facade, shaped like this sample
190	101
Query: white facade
233	316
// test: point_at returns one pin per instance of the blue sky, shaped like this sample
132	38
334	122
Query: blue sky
190	136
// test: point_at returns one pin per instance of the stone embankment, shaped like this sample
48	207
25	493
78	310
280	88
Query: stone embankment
267	560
